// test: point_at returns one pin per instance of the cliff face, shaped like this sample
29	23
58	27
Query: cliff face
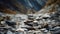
21	6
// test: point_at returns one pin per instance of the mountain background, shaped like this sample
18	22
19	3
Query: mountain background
21	6
26	6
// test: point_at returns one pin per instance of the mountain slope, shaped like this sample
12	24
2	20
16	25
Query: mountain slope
21	6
